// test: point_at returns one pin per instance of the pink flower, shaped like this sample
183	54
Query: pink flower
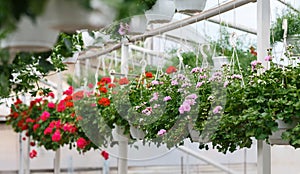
81	143
30	120
56	136
33	154
35	127
61	106
217	109
124	28
147	111
161	132
199	84
45	115
51	105
155	82
197	69
254	64
51	94
90	85
192	96
174	82
268	58
155	97
48	131
69	128
226	84
167	98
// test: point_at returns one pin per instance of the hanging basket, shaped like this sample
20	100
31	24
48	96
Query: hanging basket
30	37
190	6
161	12
219	61
69	16
136	133
118	134
275	138
137	25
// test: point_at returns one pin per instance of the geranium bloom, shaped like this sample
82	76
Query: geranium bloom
105	80
32	143
103	89
268	58
155	82
61	106
30	120
69	91
56	136
90	85
48	131
51	94
51	105
167	98
69	104
69	128
123	81
35	127
171	69
148	74
33	154
111	85
81	143
45	115
105	155
124	28
217	109
161	132
78	95
104	101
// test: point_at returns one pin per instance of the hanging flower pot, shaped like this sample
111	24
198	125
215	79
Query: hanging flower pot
137	25
294	40
136	133
118	134
161	12
275	138
190	6
30	37
219	61
69	16
195	135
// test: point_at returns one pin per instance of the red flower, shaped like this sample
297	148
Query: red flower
69	104
81	143
104	101
33	154
171	69
78	95
51	105
51	94
123	81
61	106
38	100
105	80
35	127
69	128
69	91
111	85
45	115
148	74
103	89
56	136
15	115
105	155
24	138
48	130
30	120
18	101
32	143
90	85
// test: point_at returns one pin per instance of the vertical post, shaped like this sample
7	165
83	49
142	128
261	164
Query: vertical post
27	159
58	151
123	143
21	160
263	43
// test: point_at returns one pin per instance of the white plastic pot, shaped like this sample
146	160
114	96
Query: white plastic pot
118	134
137	25
161	12
69	16
219	61
30	37
136	133
190	6
275	138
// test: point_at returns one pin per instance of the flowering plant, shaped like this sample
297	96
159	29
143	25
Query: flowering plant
50	124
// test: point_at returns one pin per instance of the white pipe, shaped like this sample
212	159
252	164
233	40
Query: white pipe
172	26
57	162
205	159
122	160
148	51
263	43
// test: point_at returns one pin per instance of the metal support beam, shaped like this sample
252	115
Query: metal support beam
172	26
263	43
